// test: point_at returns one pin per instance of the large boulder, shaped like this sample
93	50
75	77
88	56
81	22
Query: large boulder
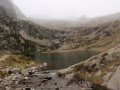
94	64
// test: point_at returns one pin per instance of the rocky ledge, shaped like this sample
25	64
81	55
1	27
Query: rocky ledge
102	69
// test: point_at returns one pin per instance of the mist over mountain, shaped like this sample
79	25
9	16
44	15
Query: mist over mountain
103	19
23	39
53	34
12	9
79	22
22	34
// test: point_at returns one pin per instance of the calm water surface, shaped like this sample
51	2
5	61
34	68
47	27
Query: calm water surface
63	60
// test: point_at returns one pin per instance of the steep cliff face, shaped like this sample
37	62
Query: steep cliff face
12	9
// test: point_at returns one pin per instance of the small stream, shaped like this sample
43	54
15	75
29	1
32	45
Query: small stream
63	60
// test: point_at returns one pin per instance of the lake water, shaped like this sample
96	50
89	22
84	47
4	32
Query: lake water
63	60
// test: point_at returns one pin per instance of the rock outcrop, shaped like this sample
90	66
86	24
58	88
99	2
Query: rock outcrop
102	69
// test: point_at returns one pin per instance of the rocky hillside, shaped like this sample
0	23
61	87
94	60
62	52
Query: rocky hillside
102	69
96	37
103	37
19	35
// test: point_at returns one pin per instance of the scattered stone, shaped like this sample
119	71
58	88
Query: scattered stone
28	89
18	89
57	89
94	64
26	78
55	83
82	89
46	71
44	80
44	65
98	73
48	78
3	60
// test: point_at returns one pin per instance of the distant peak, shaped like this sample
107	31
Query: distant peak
83	19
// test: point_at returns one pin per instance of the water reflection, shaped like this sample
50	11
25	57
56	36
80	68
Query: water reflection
63	60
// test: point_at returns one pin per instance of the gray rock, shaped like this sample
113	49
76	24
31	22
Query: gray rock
113	82
44	65
18	89
95	64
98	73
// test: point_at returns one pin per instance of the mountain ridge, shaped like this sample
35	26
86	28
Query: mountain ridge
12	9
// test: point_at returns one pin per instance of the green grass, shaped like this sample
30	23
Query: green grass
93	78
18	61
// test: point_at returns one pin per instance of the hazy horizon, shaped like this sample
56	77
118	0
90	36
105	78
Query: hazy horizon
67	9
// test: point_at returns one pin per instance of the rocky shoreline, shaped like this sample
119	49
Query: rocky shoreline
35	79
102	69
99	72
34	76
38	78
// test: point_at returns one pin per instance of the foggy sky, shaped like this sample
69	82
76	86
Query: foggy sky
66	9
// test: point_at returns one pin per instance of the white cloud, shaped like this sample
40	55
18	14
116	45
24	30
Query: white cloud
67	8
